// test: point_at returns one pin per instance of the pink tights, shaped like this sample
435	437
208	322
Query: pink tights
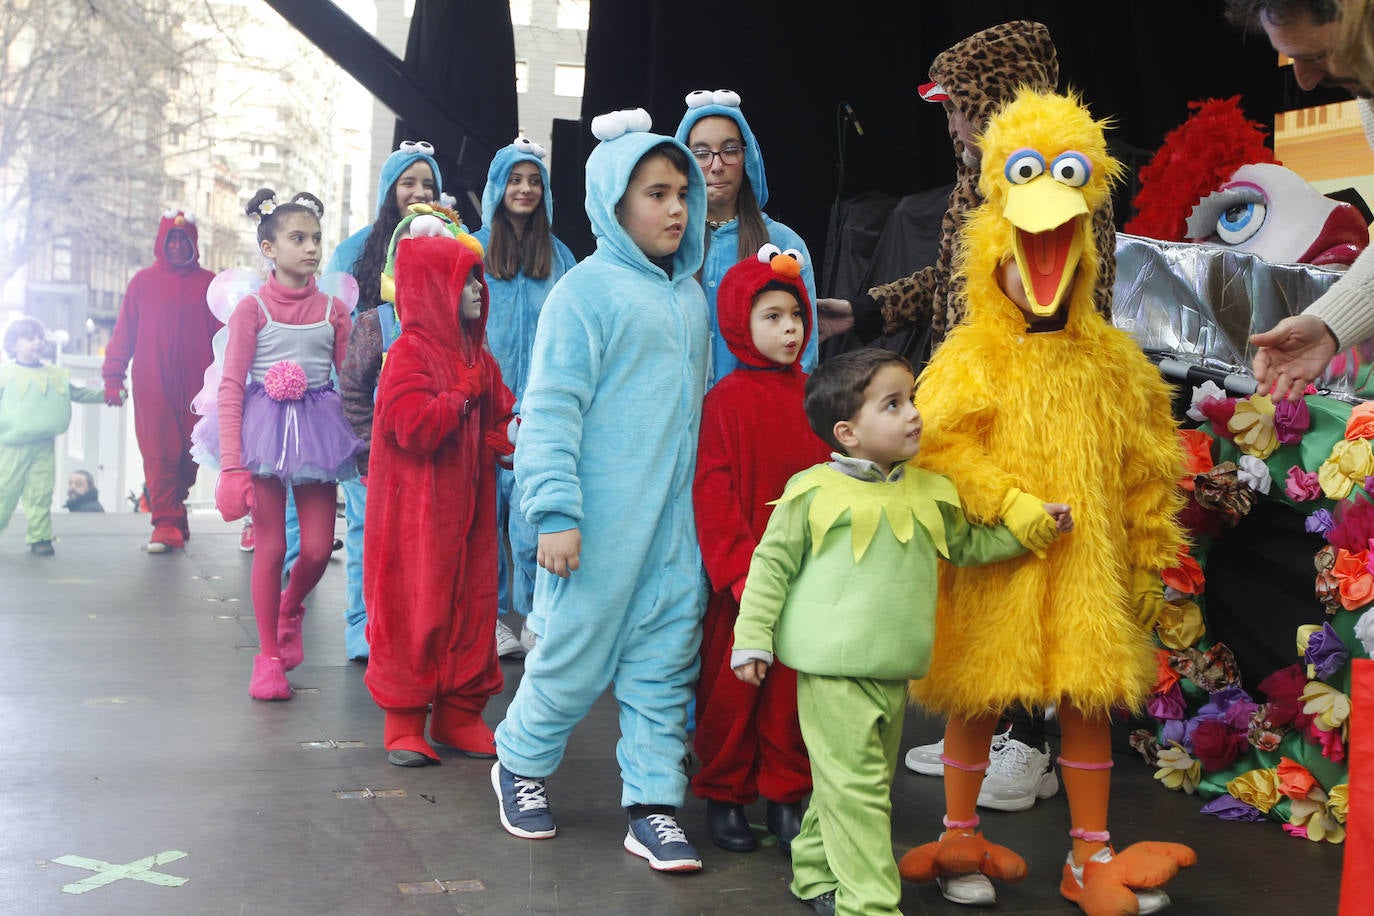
315	507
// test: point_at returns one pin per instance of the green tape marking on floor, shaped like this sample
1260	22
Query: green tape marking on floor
108	873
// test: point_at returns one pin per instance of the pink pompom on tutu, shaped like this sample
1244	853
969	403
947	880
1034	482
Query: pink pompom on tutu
285	381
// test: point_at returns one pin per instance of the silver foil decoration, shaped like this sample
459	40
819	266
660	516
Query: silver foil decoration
1192	308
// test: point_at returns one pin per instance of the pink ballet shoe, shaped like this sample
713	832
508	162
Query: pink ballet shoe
269	679
289	642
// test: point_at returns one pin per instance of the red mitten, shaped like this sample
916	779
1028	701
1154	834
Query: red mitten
234	494
114	394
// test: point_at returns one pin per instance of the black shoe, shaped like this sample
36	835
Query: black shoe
823	904
336	546
405	758
42	548
784	822
729	827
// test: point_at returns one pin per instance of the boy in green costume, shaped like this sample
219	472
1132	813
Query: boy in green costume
848	600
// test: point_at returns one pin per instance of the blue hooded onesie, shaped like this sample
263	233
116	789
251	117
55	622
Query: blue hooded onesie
724	254
608	445
515	306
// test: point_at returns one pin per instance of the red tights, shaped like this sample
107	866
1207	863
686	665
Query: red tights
316	508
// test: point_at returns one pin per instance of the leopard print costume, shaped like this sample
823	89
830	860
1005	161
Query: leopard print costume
980	74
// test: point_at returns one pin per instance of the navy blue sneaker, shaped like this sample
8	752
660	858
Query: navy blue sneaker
524	804
659	839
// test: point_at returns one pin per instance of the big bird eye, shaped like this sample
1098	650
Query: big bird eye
1024	165
1071	168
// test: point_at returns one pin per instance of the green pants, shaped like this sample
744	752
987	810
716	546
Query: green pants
853	730
29	472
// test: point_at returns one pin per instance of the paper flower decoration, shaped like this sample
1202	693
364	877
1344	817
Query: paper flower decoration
1259	788
1186	577
1232	809
1319	522
1364	631
1301	486
1323	650
1197	454
1215	745
1330	707
1353	578
1314	815
1350	462
284	381
1180	625
1254	474
1360	425
1252	424
1206	391
1169	705
1177	769
1291	420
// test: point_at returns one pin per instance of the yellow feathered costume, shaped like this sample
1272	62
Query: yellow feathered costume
1076	415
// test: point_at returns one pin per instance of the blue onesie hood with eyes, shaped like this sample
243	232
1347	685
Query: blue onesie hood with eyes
608	176
395	165
725	103
498	174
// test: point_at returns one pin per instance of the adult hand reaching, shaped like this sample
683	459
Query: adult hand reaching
834	316
1292	354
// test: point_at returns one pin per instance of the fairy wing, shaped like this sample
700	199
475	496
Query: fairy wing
340	284
226	290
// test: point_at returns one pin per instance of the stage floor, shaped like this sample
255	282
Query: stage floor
139	773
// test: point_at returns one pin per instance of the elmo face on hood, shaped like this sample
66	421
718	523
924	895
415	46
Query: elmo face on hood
176	245
741	285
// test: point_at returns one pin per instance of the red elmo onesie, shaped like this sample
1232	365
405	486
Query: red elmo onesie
429	558
754	436
165	326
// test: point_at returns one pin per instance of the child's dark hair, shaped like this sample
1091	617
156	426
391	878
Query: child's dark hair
265	209
835	391
675	155
23	329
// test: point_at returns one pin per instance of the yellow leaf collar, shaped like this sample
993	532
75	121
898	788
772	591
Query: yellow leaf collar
915	497
19	378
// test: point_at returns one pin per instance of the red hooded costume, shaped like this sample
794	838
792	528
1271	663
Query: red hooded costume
429	558
166	328
754	437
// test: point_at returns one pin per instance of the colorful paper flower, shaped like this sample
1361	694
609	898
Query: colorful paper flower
1168	706
1337	800
1177	769
1180	624
284	381
1313	814
1197	454
1364	631
1215	745
1283	689
1231	705
1207	391
1356	582
1350	462
1254	474
1166	675
1145	744
1302	486
1218	412
1220	489
1354	525
1360	424
1258	788
1232	809
1319	522
1323	650
1331	744
1186	576
1253	426
1330	707
1291	420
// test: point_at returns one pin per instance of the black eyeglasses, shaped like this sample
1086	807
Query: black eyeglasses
729	155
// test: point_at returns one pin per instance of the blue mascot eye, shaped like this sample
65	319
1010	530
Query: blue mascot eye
1024	165
1240	222
1071	168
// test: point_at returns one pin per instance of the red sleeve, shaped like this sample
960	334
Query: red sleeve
244	324
727	540
410	407
120	348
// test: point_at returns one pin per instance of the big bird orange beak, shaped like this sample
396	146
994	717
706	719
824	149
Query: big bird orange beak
1050	221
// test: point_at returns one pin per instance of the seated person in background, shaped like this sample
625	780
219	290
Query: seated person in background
82	496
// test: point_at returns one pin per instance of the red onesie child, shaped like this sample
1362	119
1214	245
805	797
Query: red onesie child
754	436
166	327
429	558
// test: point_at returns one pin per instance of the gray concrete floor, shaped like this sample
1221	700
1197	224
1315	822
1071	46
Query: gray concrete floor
129	745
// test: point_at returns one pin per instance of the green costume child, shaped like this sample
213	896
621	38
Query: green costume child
842	588
35	408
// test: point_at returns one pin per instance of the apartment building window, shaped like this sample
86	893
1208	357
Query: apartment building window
522	76
176	190
573	14
567	79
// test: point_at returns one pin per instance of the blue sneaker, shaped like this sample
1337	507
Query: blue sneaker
524	804
659	839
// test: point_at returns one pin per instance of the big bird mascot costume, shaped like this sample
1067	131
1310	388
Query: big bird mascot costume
1038	393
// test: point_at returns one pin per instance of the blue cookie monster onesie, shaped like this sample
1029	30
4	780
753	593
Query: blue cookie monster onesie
515	306
345	255
608	445
723	253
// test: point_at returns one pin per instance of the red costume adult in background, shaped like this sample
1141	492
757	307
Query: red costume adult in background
166	327
754	436
429	558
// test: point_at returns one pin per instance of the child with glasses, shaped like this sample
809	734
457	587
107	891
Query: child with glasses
731	160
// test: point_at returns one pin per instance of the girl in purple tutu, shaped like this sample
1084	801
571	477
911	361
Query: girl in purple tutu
279	423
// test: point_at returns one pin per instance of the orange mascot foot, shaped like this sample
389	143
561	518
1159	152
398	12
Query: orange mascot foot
1107	884
961	854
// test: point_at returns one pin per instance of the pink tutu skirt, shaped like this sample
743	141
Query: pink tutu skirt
303	441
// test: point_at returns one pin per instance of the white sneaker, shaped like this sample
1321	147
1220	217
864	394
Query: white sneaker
925	758
528	638
1017	776
971	890
1147	899
507	643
